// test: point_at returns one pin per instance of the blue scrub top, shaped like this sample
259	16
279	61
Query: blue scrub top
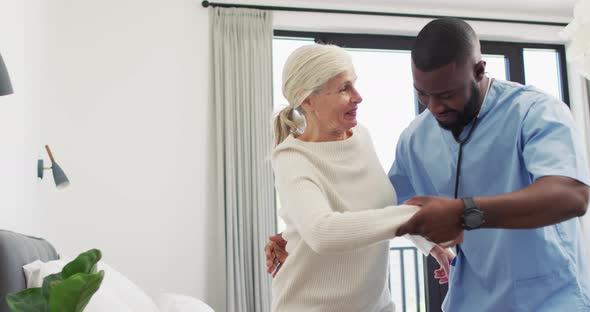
522	135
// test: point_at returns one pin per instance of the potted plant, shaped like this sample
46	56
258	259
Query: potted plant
67	291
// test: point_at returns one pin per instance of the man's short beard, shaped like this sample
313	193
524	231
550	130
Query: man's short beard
467	115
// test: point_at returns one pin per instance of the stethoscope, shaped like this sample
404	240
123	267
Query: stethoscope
466	139
460	154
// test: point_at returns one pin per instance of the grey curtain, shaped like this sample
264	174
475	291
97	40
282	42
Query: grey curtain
241	99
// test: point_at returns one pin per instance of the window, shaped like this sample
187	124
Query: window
541	69
281	49
388	107
383	65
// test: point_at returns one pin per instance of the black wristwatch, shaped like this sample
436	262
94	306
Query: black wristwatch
472	217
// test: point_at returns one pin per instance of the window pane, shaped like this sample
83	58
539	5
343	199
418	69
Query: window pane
385	83
496	66
389	105
541	69
282	47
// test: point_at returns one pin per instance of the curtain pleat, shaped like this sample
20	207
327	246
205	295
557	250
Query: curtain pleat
242	104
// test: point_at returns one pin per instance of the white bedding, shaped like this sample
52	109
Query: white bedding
117	293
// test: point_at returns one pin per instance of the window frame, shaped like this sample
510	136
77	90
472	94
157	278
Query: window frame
513	51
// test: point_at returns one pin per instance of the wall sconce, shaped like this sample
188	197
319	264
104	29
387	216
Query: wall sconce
59	177
5	85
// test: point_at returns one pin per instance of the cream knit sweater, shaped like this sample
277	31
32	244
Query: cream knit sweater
337	205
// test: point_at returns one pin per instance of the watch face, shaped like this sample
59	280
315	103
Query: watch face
473	219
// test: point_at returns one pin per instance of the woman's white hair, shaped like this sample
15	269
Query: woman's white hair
306	71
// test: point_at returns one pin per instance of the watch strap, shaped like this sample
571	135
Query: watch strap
469	203
471	209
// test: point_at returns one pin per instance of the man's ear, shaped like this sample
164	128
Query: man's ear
479	70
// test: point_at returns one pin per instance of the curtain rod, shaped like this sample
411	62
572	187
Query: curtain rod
315	10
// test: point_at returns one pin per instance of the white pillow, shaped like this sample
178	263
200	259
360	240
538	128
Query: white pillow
181	303
36	271
116	293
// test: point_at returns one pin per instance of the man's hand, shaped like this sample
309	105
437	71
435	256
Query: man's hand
444	257
276	253
439	219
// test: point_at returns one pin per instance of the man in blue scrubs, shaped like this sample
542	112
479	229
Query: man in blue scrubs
521	184
502	161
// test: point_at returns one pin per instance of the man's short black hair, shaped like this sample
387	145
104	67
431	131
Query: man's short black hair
443	41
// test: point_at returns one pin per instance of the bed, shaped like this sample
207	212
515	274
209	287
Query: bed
17	250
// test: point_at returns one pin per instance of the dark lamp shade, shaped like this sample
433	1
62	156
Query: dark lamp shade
5	85
59	177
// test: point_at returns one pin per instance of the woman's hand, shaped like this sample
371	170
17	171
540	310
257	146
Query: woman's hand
444	257
276	253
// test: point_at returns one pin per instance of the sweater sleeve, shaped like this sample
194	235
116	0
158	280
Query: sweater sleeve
421	243
325	230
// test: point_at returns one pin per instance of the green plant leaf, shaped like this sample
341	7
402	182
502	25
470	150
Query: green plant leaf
84	263
49	282
68	291
74	293
28	300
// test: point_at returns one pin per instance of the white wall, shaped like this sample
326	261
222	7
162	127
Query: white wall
128	123
119	90
22	39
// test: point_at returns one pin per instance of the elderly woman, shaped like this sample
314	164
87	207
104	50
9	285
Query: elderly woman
337	202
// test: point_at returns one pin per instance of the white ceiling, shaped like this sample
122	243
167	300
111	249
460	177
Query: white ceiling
549	9
537	10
